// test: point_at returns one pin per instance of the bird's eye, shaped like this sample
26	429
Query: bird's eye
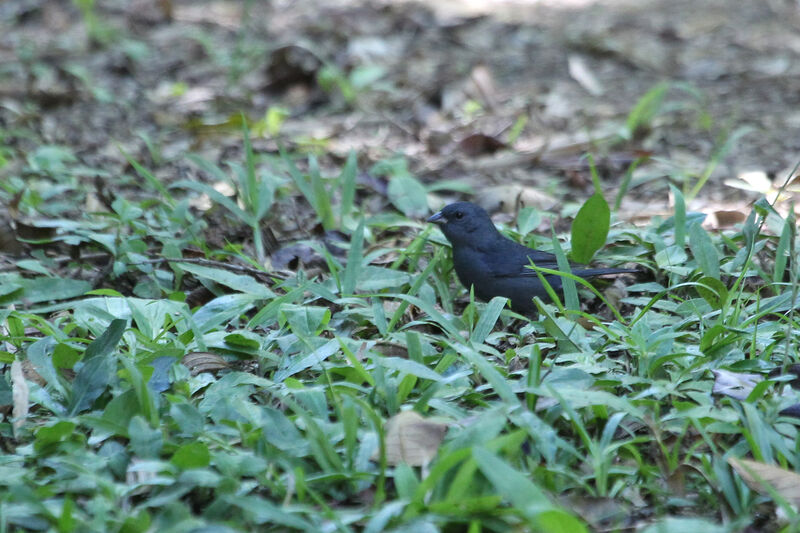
459	215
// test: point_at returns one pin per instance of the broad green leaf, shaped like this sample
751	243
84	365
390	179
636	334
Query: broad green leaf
282	433
145	441
52	434
674	524
243	339
409	367
263	511
489	373
222	309
94	376
528	219
305	320
191	455
374	278
40	354
105	343
237	282
408	195
488	319
41	289
703	251
590	228
512	484
672	258
299	364
98	368
713	291
144	396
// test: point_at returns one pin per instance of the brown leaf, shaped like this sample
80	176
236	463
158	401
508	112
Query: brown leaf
33	231
291	65
391	349
483	79
412	439
30	373
725	219
510	198
224	14
480	144
199	362
8	238
759	475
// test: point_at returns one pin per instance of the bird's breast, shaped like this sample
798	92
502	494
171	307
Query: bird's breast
474	268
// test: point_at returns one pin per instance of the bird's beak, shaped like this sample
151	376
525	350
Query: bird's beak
438	218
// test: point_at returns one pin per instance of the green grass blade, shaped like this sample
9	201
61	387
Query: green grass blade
354	257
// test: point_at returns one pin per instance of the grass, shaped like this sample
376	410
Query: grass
568	422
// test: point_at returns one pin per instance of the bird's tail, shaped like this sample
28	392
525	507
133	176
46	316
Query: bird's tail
594	272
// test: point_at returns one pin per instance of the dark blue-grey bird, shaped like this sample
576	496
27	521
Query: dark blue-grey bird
494	265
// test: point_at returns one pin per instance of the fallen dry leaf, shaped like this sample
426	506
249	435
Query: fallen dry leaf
580	72
757	475
199	362
412	439
8	238
483	79
19	395
510	198
724	219
479	144
733	384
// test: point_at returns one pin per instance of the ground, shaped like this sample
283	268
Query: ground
418	83
320	306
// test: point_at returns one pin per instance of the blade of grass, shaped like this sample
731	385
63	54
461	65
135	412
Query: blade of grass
354	256
347	182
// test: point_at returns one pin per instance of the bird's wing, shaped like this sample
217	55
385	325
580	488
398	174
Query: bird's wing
514	260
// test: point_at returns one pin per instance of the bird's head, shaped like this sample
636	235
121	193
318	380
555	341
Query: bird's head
464	223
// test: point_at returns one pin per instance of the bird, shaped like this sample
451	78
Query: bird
494	265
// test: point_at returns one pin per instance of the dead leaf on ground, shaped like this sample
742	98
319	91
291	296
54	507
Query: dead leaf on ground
225	14
19	395
30	373
580	72
510	198
724	219
41	230
291	65
199	362
483	79
736	385
785	482
8	238
391	349
295	256
412	439
480	144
